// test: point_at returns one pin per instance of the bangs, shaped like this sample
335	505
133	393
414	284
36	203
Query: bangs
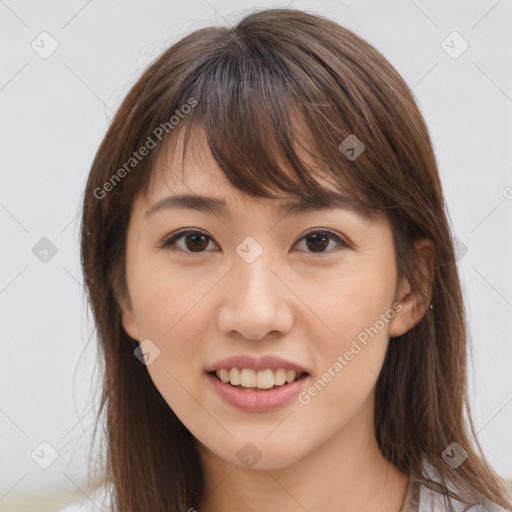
270	127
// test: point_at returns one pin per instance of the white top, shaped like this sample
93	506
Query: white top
418	498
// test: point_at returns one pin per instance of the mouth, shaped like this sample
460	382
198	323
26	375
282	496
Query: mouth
257	391
249	380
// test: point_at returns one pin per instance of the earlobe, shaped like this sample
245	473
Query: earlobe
129	321
403	320
415	300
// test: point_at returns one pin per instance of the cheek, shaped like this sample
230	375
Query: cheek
173	320
163	297
355	299
171	311
357	308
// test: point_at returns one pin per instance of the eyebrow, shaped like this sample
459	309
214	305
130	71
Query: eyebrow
218	206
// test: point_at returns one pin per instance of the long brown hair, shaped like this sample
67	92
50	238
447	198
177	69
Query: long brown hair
279	81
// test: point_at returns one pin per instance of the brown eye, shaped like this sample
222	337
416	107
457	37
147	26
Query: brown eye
192	241
196	242
318	241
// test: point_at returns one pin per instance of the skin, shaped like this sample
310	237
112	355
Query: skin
292	302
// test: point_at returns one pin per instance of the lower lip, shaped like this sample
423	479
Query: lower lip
257	400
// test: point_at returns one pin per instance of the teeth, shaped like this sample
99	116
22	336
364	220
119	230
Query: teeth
248	378
290	376
280	377
234	376
264	379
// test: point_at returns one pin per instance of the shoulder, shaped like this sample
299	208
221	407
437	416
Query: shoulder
432	501
99	501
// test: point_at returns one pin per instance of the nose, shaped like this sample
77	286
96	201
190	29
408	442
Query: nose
256	302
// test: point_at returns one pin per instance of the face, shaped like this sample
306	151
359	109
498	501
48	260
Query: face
317	289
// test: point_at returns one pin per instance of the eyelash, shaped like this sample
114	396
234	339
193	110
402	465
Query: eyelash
170	242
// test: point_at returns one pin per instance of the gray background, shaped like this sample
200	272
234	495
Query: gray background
54	113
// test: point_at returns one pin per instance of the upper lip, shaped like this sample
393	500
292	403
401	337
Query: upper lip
262	363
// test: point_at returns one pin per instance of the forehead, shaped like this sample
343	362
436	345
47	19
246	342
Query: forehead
195	171
198	172
194	180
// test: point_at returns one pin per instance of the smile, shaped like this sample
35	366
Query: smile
254	398
247	378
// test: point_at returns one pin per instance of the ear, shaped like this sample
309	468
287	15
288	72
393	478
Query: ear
414	304
128	319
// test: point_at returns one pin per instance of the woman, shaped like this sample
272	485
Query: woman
269	263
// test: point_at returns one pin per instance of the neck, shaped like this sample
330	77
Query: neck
347	473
